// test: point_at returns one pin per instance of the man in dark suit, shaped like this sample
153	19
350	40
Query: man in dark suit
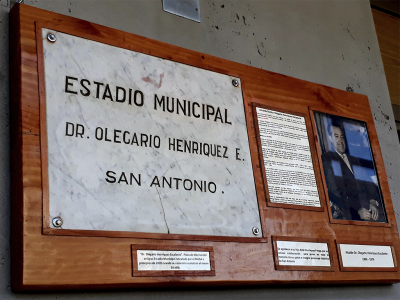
350	198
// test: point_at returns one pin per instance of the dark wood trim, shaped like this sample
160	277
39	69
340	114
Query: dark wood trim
43	126
384	10
137	273
17	203
145	235
254	152
295	206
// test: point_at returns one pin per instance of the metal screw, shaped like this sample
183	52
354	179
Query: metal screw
57	222
20	1
235	82
255	230
51	37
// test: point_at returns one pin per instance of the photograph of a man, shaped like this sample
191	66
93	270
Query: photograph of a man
349	169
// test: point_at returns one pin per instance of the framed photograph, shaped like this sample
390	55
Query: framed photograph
349	169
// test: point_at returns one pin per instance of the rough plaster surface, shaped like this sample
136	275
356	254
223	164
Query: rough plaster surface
328	42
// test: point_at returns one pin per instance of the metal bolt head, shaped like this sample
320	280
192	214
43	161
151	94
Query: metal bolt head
256	231
57	222
51	37
235	82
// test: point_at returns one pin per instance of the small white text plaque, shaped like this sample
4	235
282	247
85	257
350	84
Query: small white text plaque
292	253
366	256
161	260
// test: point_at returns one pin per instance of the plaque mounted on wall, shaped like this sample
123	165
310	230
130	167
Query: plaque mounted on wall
131	135
128	151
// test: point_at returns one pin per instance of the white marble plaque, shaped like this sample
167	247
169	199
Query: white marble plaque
157	260
287	158
142	144
366	256
303	254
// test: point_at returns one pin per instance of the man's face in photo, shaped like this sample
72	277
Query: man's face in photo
337	139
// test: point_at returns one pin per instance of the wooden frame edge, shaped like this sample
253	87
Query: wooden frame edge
158	236
254	155
17	186
43	128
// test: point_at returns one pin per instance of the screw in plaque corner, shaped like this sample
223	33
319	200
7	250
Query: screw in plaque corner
51	37
256	231
57	222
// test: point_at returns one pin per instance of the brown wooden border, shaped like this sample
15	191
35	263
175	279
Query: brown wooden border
313	158
43	127
44	159
315	133
145	235
136	273
331	250
366	269
16	151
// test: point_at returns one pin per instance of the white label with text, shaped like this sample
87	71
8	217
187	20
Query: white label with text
287	158
160	260
366	256
303	254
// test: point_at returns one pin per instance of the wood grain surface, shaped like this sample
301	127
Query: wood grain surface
44	261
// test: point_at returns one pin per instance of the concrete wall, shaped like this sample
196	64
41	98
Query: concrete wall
328	42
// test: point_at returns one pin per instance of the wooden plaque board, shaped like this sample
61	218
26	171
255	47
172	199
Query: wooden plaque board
46	260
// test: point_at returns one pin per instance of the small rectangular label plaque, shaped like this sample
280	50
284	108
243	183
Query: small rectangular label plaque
287	158
158	260
366	256
291	253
